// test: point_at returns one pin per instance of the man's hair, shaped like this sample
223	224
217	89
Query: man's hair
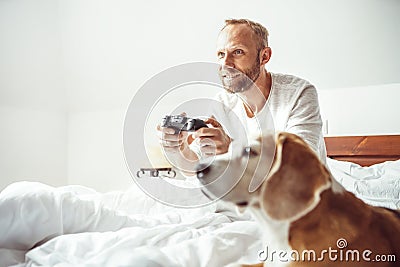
260	31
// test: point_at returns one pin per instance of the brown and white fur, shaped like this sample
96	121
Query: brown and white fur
300	206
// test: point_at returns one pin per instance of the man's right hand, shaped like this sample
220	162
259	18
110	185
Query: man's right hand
171	142
177	150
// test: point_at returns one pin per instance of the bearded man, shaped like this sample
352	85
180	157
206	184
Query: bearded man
254	99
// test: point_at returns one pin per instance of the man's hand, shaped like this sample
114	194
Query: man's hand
213	140
177	150
171	142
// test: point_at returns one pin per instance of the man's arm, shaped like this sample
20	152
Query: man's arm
305	120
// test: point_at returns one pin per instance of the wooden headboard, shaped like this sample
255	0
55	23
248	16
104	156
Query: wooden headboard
364	150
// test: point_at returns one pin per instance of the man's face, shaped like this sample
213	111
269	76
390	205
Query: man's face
239	57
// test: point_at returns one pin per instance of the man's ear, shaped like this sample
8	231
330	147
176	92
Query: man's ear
265	55
296	180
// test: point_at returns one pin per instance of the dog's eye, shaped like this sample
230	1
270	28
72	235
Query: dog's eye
248	151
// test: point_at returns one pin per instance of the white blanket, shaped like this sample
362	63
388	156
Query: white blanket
76	226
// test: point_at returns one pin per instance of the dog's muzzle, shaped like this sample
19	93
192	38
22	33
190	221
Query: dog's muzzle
202	170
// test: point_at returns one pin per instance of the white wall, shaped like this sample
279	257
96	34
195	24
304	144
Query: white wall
83	60
33	116
371	110
32	146
95	151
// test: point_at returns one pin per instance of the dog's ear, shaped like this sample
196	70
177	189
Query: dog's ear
296	180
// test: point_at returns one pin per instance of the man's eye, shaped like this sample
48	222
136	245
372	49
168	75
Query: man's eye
221	54
238	52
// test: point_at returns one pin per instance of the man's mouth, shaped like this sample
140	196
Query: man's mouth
230	76
242	203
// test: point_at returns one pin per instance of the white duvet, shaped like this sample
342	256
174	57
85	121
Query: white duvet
76	226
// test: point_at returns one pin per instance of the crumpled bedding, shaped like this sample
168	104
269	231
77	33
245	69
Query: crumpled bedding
377	185
76	226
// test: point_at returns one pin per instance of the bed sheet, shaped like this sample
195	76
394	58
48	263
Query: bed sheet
77	226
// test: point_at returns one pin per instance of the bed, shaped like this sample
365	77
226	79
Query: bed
367	166
74	225
364	150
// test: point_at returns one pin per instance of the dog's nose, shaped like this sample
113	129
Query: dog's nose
202	170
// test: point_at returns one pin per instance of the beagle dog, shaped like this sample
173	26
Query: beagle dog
307	218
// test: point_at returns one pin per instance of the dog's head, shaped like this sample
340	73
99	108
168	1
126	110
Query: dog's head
290	188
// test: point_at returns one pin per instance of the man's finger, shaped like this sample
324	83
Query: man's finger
208	150
213	121
207	132
173	137
169	143
165	130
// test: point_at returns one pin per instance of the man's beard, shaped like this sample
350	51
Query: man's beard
235	81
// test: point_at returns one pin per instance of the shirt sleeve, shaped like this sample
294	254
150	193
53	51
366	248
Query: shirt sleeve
305	120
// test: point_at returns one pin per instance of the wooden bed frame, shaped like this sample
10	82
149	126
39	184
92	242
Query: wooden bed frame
364	150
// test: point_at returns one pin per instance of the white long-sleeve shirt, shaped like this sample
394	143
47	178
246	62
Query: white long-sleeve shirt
292	106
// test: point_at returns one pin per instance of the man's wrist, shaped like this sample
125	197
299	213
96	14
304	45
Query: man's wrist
187	152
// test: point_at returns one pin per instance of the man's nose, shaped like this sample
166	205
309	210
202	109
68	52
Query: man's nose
227	61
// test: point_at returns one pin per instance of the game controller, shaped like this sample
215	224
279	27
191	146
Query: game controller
182	123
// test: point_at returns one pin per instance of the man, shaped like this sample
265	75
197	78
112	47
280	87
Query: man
251	90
